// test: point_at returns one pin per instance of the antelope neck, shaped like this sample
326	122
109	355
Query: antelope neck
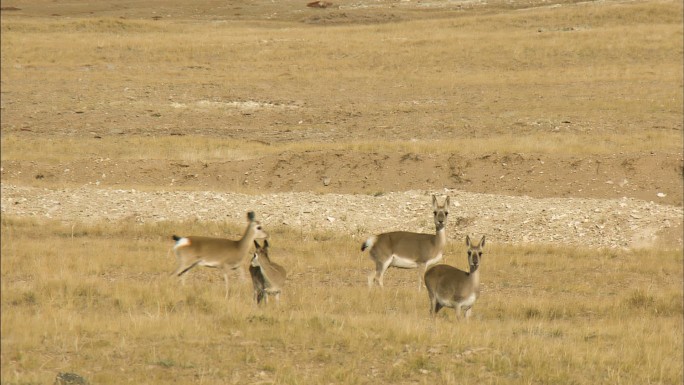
247	237
475	275
441	234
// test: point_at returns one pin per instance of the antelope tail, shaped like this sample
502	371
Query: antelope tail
180	241
369	242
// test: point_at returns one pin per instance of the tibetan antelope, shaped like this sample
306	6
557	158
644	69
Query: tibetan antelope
221	253
268	277
407	250
450	287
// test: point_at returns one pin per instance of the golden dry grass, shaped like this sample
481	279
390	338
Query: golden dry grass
198	148
97	300
613	71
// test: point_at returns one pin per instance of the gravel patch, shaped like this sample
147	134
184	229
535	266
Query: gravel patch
617	223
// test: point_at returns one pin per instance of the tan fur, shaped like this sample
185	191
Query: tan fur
268	277
407	250
450	287
224	254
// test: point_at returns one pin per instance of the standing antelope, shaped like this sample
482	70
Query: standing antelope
450	287
221	253
268	277
407	250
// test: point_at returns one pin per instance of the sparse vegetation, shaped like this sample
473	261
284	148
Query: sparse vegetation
196	84
487	82
199	148
103	305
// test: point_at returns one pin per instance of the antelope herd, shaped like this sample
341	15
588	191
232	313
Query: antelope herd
447	286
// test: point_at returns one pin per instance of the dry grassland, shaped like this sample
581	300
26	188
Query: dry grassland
98	300
213	149
585	79
576	81
605	70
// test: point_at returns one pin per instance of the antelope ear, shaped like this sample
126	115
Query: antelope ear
250	216
434	201
257	244
482	241
265	243
468	240
446	202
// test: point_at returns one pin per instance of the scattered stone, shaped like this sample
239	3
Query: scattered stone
504	219
319	4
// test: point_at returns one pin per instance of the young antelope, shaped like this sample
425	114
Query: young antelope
268	277
450	287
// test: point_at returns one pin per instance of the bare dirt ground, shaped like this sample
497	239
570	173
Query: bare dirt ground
648	177
621	199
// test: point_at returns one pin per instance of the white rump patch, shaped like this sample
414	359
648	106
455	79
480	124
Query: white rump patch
182	243
370	241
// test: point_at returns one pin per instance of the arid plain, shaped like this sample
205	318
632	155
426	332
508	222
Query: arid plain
555	127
